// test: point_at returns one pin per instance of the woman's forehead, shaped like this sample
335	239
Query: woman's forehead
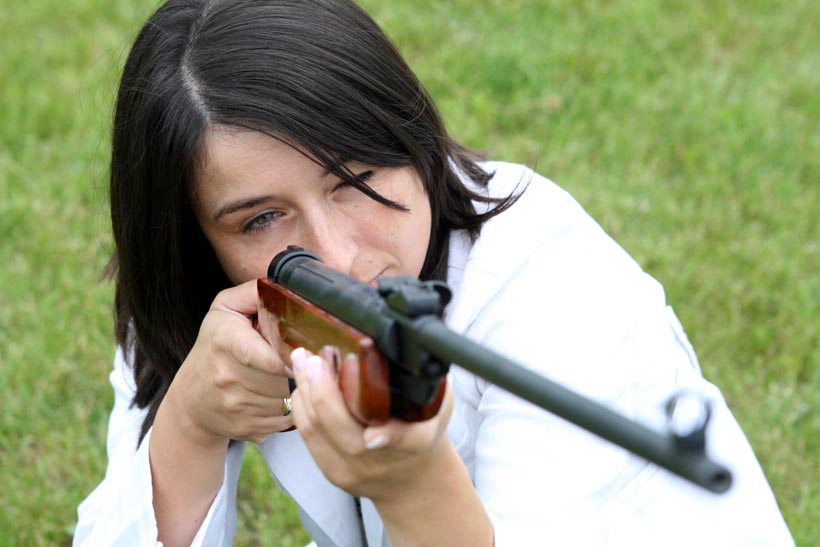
227	147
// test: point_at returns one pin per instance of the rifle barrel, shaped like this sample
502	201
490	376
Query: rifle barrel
577	409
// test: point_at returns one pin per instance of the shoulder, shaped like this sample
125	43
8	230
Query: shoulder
544	279
544	215
544	241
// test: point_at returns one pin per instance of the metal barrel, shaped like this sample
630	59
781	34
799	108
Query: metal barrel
660	449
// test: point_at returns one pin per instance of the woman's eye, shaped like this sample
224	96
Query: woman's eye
260	221
361	178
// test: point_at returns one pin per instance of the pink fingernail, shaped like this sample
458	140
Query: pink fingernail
377	442
315	369
298	358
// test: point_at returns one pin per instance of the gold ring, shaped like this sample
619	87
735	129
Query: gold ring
287	406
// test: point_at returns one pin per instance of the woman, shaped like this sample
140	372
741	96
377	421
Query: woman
242	127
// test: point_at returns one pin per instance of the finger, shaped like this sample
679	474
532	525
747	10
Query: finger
379	436
347	371
332	355
411	436
349	384
302	409
242	299
244	416
241	406
298	358
259	430
260	382
331	415
248	348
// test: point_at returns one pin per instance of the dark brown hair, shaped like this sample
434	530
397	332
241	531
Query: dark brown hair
317	73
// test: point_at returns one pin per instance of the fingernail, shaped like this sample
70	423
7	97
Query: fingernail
379	441
315	369
331	355
298	358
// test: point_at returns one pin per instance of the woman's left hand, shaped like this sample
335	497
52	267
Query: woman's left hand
410	471
377	461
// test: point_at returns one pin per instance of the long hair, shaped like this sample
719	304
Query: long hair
318	73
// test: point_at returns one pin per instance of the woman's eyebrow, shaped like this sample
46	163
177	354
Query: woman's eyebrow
240	205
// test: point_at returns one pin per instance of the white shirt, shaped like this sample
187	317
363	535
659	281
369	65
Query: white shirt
545	286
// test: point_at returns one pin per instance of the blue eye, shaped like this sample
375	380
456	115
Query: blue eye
260	222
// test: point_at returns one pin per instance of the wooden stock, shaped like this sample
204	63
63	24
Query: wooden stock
302	324
285	317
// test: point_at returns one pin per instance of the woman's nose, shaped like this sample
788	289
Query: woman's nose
333	239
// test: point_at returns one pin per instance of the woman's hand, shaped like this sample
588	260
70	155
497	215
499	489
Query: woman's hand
232	384
371	461
410	471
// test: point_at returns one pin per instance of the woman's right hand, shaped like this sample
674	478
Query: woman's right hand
232	384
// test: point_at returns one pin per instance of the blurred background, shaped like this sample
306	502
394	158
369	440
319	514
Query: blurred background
688	129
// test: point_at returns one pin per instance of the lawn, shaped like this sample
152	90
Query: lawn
689	129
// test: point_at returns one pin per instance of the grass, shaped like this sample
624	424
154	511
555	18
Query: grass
688	129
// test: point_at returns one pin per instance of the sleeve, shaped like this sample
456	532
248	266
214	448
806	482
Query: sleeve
120	509
601	328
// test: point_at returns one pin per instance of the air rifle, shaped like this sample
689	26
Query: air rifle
403	351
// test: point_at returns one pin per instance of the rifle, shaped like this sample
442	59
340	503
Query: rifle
403	352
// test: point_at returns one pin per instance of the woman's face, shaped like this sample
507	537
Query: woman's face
255	195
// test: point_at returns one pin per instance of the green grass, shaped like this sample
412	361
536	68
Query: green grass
688	129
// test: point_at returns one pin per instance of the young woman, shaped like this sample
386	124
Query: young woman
244	126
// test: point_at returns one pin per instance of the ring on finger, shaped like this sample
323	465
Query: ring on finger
287	406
